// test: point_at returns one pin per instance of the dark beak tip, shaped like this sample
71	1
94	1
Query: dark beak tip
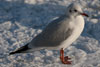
84	14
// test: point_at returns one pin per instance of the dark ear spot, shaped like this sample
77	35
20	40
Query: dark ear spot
70	10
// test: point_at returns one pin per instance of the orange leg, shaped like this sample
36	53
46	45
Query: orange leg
63	59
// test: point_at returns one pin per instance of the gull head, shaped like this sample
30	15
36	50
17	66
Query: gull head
75	10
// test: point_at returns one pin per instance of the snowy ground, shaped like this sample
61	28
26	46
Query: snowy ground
21	20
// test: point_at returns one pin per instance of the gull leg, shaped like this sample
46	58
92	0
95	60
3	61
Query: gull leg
63	59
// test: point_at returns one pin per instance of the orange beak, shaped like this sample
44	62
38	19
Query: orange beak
84	14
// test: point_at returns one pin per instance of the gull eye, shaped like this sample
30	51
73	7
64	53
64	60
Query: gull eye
75	10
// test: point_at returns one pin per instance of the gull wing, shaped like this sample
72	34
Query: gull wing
55	33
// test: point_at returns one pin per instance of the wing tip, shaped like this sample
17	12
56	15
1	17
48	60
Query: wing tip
20	50
11	53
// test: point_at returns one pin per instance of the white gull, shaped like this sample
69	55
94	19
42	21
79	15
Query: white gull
59	34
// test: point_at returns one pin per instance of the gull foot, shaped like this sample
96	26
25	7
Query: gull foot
64	60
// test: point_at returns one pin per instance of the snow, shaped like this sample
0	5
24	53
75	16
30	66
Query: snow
22	20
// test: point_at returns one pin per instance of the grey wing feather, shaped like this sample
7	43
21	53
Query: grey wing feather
53	34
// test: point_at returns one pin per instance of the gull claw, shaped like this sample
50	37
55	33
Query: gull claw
65	60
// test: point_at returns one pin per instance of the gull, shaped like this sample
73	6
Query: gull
59	34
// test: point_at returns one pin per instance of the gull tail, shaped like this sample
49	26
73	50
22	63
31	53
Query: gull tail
21	50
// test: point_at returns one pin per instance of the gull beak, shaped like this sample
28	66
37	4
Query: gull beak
84	14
